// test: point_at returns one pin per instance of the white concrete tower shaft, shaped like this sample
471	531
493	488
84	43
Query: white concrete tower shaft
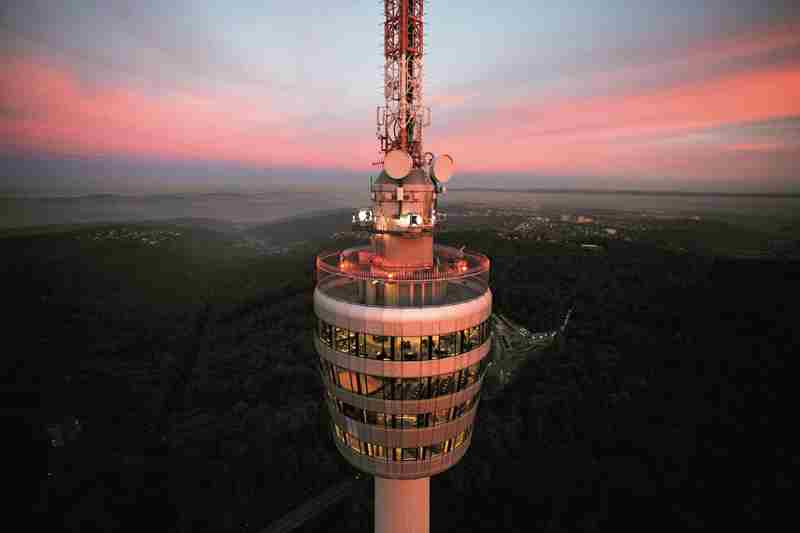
402	505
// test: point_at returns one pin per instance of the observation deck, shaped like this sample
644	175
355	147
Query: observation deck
358	276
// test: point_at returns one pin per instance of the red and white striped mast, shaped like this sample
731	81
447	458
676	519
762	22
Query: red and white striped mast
403	116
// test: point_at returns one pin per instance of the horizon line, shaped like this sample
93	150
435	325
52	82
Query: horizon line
628	192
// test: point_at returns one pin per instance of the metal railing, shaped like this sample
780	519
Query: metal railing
357	275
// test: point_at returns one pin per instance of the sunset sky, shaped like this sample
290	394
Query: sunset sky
691	95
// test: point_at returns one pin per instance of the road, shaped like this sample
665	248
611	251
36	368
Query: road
313	507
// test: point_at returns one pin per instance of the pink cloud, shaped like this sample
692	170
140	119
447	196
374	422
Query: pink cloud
48	109
632	131
624	133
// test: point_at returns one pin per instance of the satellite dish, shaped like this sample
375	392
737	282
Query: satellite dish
397	164
442	168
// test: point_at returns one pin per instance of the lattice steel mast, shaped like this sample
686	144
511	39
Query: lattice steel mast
403	117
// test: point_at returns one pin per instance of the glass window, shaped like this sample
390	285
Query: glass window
327	334
425	347
407	421
397	388
346	380
409	348
352	343
355	443
433	387
449	344
461	341
405	348
472	338
373	450
371	385
362	344
351	411
445	345
435	349
377	451
440	417
354	384
426	388
388	389
461	379
472	375
341	339
401	454
436	449
410	454
445	385
412	388
377	347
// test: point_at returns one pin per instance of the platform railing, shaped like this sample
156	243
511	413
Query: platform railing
357	275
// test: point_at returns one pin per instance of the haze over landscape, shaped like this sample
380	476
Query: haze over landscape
182	182
121	96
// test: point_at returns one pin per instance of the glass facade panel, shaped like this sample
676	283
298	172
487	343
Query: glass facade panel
436	449
425	347
378	347
325	334
402	348
423	388
446	346
421	453
405	421
410	348
411	454
340	339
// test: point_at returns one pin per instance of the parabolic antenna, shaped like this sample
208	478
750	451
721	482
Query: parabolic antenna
397	164
443	167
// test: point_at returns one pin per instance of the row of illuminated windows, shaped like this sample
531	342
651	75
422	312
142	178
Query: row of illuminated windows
417	453
404	421
402	348
386	388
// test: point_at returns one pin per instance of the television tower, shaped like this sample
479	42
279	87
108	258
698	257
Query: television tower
402	323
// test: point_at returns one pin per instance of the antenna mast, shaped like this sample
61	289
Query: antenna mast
401	119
